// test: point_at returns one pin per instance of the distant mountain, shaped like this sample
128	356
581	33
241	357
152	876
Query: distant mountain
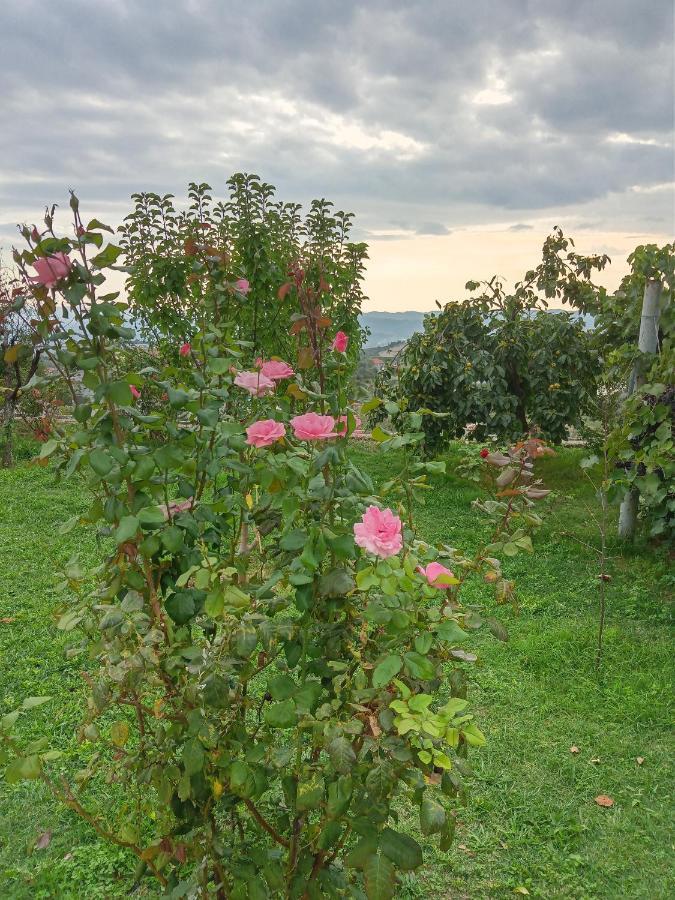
390	327
394	327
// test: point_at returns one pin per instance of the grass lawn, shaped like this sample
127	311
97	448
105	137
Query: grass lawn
531	821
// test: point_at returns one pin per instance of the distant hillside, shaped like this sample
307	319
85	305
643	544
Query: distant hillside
390	327
395	327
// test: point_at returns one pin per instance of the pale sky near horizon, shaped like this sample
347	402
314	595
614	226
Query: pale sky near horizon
458	133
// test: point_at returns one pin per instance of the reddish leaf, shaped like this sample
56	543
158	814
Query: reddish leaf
604	800
283	290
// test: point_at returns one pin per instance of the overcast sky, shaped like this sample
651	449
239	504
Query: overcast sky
458	132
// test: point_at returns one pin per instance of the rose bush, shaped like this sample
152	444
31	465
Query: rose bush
271	675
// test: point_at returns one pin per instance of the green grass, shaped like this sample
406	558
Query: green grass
531	820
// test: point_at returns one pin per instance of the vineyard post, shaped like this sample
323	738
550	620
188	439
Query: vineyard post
647	343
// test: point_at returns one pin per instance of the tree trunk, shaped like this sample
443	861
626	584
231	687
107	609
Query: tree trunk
647	343
7	434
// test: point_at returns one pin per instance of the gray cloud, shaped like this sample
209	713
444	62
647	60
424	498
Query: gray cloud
520	226
429	112
431	228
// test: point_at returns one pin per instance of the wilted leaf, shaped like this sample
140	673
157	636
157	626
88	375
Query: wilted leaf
574	749
43	841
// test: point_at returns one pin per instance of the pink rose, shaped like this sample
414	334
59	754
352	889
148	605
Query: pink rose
436	574
264	433
342	432
255	383
340	342
379	532
312	427
276	369
185	349
242	286
135	393
51	269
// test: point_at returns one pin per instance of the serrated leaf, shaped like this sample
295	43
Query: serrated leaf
342	755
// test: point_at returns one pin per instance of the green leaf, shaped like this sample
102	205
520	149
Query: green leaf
193	756
151	516
432	816
107	257
448	834
294	540
341	755
281	715
386	670
379	435
339	796
127	529
181	607
379	877
281	687
450	631
119	392
310	793
172	538
245	639
402	850
32	702
336	583
419	666
101	462
24	768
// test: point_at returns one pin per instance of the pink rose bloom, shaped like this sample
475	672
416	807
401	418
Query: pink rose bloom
264	433
185	349
135	393
51	269
436	575
340	342
379	532
242	285
255	383
343	421
276	369
312	427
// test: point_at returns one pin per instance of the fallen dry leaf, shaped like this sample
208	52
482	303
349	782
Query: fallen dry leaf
7	620
574	749
604	800
595	760
375	729
521	890
44	840
639	760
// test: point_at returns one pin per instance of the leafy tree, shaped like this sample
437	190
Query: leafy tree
268	650
642	442
500	360
257	242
